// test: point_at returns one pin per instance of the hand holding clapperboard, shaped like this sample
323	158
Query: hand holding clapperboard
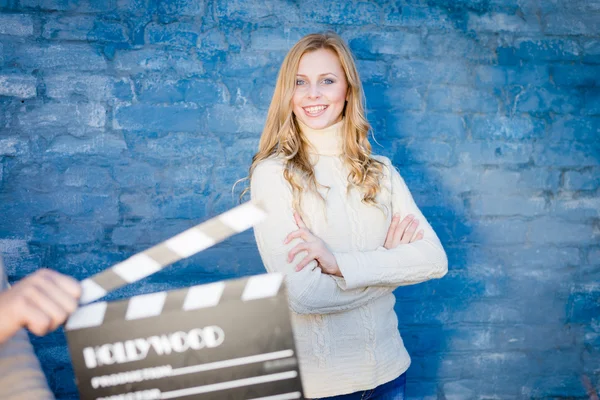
225	340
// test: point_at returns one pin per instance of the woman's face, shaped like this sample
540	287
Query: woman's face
321	89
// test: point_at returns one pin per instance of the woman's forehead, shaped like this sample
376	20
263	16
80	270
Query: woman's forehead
319	62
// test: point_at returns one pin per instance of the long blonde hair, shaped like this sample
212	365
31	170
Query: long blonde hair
281	135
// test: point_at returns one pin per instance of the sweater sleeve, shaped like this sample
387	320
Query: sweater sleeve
406	264
21	377
309	291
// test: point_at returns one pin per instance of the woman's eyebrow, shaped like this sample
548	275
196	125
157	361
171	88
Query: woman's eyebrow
327	73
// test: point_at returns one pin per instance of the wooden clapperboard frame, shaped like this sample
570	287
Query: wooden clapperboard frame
225	340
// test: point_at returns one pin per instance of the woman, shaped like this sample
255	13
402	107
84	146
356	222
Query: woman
342	226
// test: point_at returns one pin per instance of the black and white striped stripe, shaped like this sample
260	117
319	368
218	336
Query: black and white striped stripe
174	249
193	298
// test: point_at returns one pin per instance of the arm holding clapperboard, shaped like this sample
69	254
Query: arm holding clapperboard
362	276
40	302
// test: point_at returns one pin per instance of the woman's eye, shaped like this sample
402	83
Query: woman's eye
299	82
327	81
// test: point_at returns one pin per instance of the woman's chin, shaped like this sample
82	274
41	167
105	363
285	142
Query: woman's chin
317	123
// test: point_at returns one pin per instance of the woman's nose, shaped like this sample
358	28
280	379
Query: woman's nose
314	92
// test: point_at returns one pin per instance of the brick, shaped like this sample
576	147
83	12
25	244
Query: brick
494	153
360	13
13	146
551	230
69	5
519	128
126	235
511	182
226	119
507	206
88	176
539	258
76	118
425	125
498	76
424	152
591	51
371	46
138	205
371	71
68	27
392	98
564	23
563	154
543	50
175	34
251	64
454	46
179	8
181	207
569	128
416	16
502	231
500	22
581	6
186	177
16	25
59	56
416	73
101	144
460	99
582	180
183	63
68	233
136	174
542	100
109	31
238	10
592	102
90	87
175	145
20	86
277	39
557	386
575	75
580	209
197	91
158	118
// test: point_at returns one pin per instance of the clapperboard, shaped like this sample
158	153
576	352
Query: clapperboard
225	340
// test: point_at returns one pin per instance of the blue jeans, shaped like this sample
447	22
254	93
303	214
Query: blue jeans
393	390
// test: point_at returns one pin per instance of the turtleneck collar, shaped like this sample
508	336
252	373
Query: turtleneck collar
324	142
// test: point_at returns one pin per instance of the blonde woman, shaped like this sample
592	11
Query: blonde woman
342	226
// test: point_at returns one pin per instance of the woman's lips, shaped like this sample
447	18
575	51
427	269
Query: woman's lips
315	111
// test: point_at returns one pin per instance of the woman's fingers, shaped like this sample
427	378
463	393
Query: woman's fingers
42	296
410	231
399	234
69	285
418	236
303	234
297	249
299	221
305	261
389	238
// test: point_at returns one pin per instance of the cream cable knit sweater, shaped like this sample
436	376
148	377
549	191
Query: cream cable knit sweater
346	329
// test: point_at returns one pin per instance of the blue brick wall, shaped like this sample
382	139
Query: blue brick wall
125	122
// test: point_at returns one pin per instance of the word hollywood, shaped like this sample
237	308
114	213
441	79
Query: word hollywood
137	349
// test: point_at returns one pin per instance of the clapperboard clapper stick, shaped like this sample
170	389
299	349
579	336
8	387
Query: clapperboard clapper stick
225	340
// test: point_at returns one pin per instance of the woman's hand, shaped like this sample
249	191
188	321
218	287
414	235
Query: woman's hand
40	302
402	232
315	247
